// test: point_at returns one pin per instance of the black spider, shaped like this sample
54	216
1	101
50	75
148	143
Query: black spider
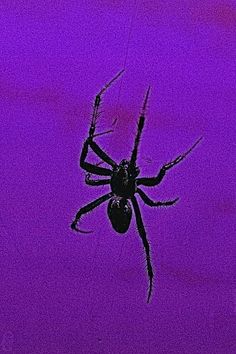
123	181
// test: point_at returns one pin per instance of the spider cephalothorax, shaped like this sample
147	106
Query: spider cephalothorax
123	179
123	182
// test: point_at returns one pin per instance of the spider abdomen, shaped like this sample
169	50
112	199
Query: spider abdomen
119	212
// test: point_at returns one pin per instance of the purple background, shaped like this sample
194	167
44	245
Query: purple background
63	292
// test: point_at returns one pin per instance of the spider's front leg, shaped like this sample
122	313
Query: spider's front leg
97	104
90	142
101	171
96	182
153	181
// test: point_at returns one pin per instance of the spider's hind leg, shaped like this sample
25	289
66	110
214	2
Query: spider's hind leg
143	236
88	208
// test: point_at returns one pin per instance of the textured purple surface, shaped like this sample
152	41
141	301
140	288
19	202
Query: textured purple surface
69	293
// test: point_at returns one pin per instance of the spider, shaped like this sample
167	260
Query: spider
124	182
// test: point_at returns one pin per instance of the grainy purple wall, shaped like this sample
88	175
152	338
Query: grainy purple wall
63	292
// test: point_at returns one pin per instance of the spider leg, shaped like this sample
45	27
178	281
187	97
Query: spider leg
101	171
143	236
89	142
151	203
100	153
139	132
96	182
97	103
88	208
153	181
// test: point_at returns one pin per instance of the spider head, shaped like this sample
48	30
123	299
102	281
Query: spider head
120	213
122	170
124	163
125	169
